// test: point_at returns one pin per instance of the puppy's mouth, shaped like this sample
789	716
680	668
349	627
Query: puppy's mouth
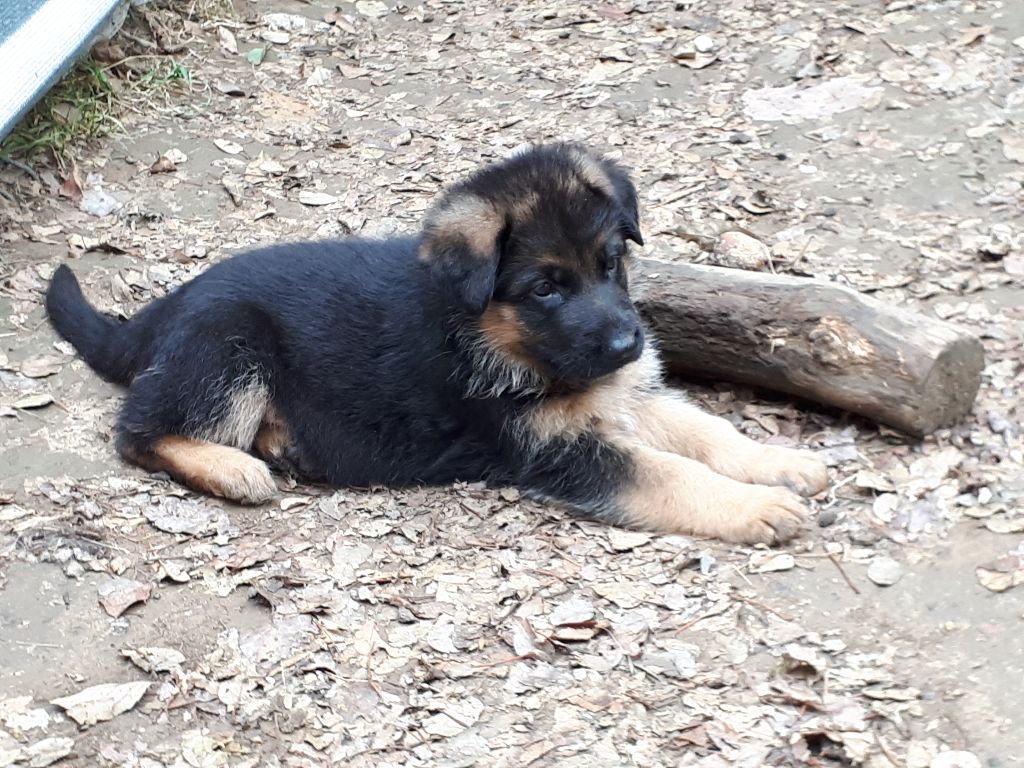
564	378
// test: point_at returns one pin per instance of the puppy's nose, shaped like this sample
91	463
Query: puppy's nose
625	344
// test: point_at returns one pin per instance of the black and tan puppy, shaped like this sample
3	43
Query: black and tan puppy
498	344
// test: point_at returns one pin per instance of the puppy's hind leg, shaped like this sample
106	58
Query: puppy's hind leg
196	411
218	470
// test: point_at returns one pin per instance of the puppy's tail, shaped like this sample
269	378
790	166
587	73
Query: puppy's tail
115	350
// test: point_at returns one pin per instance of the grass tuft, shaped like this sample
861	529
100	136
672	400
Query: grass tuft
86	102
81	106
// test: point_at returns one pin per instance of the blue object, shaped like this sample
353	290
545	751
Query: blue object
39	41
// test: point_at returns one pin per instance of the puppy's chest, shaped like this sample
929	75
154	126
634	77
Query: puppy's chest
608	407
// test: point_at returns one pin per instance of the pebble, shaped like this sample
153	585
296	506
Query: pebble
826	518
703	43
997	422
865	537
740	251
1000	242
885	571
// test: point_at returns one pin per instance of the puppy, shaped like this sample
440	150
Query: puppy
499	343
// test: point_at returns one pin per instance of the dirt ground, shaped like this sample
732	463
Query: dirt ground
462	626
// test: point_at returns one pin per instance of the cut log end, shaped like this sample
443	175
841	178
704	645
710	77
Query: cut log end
952	385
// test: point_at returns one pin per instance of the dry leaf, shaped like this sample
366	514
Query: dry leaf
893	694
1003	524
623	540
309	197
577	633
39	400
1013	147
696	59
1002	574
155	659
526	642
623	594
175	515
227	41
972	35
766	562
575	610
228	146
46	752
163	164
276	36
372	8
101	702
118	595
41	366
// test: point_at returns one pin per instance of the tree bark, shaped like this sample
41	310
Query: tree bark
816	340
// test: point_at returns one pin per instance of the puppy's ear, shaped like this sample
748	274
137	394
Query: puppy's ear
460	243
625	196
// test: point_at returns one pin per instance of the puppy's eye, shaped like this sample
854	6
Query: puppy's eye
611	267
544	289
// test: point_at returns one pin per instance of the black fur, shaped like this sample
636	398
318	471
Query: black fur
371	351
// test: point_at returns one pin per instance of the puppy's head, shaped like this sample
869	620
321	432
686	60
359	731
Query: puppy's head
534	247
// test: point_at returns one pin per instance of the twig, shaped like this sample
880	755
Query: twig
704	242
842	573
138	41
800	256
763	607
31	644
885	749
832	498
710	613
27	169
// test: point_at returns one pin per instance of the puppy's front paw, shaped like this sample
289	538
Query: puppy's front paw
800	471
765	515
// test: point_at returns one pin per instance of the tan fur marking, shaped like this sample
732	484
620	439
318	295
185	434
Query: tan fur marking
668	422
238	424
464	217
501	327
673	494
218	470
608	406
590	170
274	438
555	260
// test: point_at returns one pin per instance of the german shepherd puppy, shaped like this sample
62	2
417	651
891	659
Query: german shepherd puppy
499	343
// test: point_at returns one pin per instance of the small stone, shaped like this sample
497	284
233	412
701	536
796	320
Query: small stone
997	422
703	43
740	251
626	113
885	571
740	138
999	243
865	537
826	518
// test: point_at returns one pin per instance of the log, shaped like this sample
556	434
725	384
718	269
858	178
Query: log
812	339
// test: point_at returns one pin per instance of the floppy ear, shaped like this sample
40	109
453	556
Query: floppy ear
625	195
460	244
